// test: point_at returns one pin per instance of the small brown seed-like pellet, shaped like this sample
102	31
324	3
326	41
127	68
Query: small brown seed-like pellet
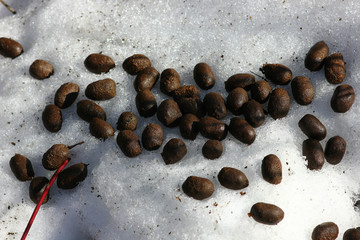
37	188
343	98
335	71
70	177
169	113
152	137
213	128
242	130
55	156
277	73
187	91
314	154
215	105
129	143
146	79
174	150
189	126
41	69
325	231
242	80
87	110
335	150
191	105
271	169
127	121
198	188
10	48
101	90
279	103
52	118
204	76
101	129
254	113
312	127
314	59
169	81
21	167
302	90
212	149
352	234
267	213
232	178
134	64
66	95
260	91
236	99
146	103
99	63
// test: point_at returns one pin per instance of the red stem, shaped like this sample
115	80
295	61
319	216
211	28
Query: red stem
52	180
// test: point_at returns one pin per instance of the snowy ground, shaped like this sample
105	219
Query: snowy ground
140	198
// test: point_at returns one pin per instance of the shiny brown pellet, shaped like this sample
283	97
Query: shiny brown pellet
271	169
260	91
212	149
213	128
21	167
101	90
312	127
152	137
277	73
242	80
242	130
302	90
325	231
169	113
335	150
198	188
146	103
146	79
192	105
267	213
232	178
187	91
314	59
134	64
52	118
99	63
41	69
215	105
189	126
254	113
87	110
37	188
352	234
204	76
10	48
343	98
56	155
129	143
70	177
279	103
174	150
101	129
236	99
314	154
127	121
169	81
66	95
335	71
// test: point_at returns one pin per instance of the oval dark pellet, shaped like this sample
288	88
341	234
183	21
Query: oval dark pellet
213	128
204	76
66	95
271	169
212	149
267	213
101	90
198	188
277	73
189	126
242	80
37	188
136	63
70	177
279	103
152	137
242	130
55	156
10	48
343	98
21	167
146	79
169	81
236	99
187	91
302	90
312	127
314	59
232	178
325	231
99	63
314	154
335	71
52	118
260	91
146	103
41	69
215	106
127	121
352	234
101	129
87	110
191	105
254	113
169	113
335	150
174	150
129	143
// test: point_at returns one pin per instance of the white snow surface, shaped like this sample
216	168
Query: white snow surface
141	198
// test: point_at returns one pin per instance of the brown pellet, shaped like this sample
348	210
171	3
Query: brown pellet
169	113
314	154
21	167
187	91
66	95
343	98
174	150
101	90
146	79
314	59
87	110
146	103
212	149
41	69
169	81
335	150
99	63
277	73
312	127
55	156
129	143
136	63
271	169
236	99
189	126
127	121
260	91
198	188
70	177
279	103
215	105
254	113
37	188
302	90
352	234
101	129
335	71
242	80
52	118
10	48
242	130
192	105
232	178
213	128
152	137
267	213
204	76
325	231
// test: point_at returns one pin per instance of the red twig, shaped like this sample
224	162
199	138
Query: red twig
52	180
